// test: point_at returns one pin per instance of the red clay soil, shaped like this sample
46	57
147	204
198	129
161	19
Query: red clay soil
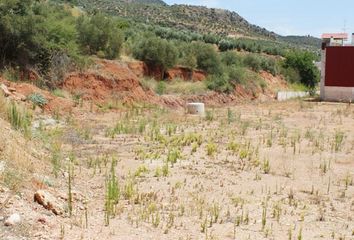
185	74
240	94
138	68
115	80
111	80
57	104
274	81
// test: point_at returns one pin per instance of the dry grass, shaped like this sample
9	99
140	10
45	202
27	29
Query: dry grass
247	172
17	152
3	106
266	171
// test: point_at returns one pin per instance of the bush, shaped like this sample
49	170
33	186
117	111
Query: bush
291	74
219	83
100	34
156	52
270	65
37	99
231	58
187	56
32	32
236	75
254	62
226	82
161	88
207	58
303	63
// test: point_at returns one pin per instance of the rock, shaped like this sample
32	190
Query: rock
19	97
3	189
48	122
14	219
11	89
5	90
48	201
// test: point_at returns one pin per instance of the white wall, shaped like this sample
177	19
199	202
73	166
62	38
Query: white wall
338	94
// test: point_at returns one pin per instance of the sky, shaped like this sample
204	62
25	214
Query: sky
289	17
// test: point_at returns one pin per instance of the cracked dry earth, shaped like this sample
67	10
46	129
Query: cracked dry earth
252	171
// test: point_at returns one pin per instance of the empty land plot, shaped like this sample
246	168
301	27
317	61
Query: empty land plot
251	171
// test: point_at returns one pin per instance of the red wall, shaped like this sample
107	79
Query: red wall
340	66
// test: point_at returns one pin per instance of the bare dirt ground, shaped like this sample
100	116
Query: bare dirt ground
251	171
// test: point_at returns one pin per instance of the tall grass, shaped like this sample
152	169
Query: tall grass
3	106
19	117
112	193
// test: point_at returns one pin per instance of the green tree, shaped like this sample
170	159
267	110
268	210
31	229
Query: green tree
156	53
254	62
207	58
100	33
33	33
219	83
230	58
303	62
187	56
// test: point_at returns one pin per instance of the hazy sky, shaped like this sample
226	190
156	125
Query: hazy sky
289	17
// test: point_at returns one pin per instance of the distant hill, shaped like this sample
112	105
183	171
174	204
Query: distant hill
302	40
159	2
198	19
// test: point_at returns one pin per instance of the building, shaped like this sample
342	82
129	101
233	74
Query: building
337	68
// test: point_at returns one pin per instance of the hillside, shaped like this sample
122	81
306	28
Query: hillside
199	19
302	40
159	2
210	20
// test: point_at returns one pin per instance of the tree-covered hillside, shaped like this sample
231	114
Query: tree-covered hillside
62	39
196	18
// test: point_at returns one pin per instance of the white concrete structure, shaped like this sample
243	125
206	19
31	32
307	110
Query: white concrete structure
283	96
323	74
196	108
338	94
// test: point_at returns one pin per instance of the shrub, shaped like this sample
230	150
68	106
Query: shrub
236	75
187	55
291	74
231	58
32	32
207	58
303	63
37	99
100	34
210	38
219	83
270	65
161	88
156	52
254	62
